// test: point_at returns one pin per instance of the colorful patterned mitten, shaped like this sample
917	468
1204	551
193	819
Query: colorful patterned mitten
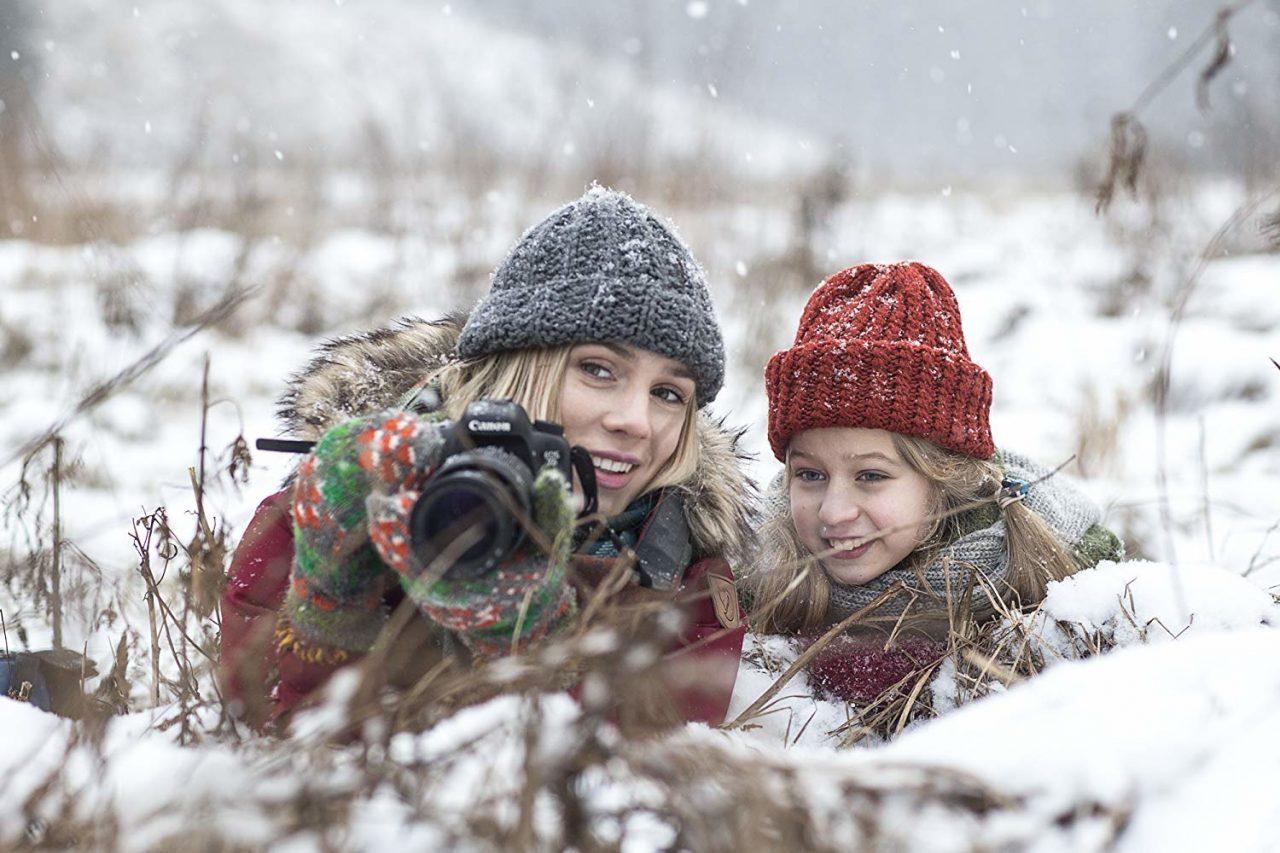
365	476
518	602
338	580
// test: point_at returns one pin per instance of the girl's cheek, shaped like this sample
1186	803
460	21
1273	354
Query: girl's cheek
804	513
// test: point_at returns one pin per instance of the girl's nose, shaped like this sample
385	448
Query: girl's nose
629	413
837	509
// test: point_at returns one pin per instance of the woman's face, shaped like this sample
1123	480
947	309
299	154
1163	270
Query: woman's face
847	484
627	406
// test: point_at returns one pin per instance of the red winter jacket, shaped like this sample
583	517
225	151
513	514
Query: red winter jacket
262	684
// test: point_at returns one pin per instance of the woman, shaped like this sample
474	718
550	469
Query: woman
599	320
894	502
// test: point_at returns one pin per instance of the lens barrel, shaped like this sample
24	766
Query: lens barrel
471	514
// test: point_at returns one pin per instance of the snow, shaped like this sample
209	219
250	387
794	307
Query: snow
1130	748
1143	601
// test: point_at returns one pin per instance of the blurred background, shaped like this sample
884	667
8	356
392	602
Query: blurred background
340	163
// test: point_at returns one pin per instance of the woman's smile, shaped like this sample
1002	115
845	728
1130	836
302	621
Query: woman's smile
614	470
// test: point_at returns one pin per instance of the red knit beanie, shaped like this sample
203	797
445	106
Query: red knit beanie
881	347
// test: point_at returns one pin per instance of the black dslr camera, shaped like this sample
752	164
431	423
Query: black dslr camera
474	509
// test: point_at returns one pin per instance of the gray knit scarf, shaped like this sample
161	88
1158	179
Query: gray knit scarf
1068	512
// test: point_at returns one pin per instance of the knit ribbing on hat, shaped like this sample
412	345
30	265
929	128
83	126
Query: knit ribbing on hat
881	347
602	268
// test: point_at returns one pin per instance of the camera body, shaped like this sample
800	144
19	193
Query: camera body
476	508
505	425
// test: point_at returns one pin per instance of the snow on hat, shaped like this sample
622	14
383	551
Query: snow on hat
602	268
881	347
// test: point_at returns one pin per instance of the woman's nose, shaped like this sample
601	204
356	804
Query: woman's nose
629	413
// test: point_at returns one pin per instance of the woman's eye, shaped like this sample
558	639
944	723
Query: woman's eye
872	477
808	475
596	369
669	395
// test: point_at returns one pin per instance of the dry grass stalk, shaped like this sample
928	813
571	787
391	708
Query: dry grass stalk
55	570
1222	54
104	390
208	548
1129	138
1163	379
1124	165
810	653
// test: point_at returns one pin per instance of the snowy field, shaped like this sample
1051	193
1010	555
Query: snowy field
1125	746
1163	741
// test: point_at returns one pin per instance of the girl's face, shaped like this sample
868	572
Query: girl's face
848	483
627	406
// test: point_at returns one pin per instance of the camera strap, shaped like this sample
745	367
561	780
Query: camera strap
663	550
580	457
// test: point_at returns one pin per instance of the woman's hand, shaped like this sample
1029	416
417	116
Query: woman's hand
519	601
338	580
352	501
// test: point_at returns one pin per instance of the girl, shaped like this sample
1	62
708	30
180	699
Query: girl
599	320
894	500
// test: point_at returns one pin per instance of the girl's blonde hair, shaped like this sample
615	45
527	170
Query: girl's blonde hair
534	378
791	592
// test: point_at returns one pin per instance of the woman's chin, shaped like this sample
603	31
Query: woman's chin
612	502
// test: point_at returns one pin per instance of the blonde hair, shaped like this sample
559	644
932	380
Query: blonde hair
534	378
791	592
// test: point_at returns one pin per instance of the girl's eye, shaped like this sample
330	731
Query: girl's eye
669	395
596	369
872	477
808	475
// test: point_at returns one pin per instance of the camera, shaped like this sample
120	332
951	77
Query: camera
472	512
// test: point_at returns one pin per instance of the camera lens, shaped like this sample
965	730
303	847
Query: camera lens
471	514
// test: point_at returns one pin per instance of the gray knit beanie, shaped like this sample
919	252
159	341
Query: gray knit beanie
602	268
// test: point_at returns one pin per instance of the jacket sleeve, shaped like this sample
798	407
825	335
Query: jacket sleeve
256	585
264	669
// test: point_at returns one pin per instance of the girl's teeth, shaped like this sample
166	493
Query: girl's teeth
843	544
612	465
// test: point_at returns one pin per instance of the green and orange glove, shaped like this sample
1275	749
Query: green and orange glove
352	501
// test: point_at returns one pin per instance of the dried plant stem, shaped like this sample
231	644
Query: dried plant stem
153	593
533	782
1164	375
615	581
923	676
1179	64
103	391
55	572
204	447
520	617
810	653
1128	138
1204	493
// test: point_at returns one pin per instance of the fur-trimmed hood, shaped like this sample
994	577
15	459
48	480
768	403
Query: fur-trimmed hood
369	371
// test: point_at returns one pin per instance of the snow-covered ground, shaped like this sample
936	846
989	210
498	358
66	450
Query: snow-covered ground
1161	743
